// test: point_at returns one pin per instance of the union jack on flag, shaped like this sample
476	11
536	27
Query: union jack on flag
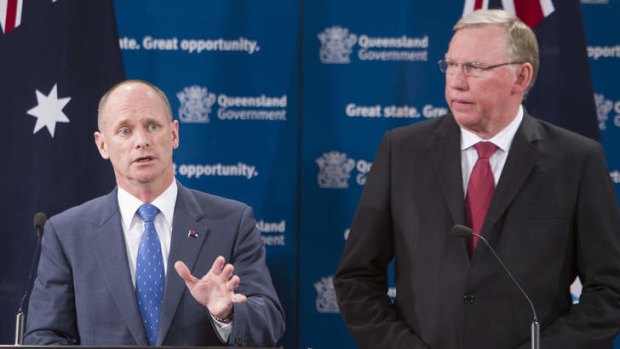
10	14
531	12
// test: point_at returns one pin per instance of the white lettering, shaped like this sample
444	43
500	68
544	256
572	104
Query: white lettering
353	110
413	56
363	166
405	111
615	176
430	111
271	240
238	170
399	42
150	43
596	52
200	45
261	101
271	227
251	114
126	43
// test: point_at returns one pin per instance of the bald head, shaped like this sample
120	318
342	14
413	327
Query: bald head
129	85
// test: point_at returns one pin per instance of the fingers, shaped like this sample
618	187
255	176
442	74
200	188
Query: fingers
184	272
218	264
227	272
239	298
233	283
222	270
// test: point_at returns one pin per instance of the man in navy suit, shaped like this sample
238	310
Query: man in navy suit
96	284
540	195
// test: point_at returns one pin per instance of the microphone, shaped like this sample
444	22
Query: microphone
462	231
39	222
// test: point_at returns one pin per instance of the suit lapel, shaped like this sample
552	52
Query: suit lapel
445	150
188	237
520	162
108	244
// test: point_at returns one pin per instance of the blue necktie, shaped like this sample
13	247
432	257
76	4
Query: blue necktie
149	274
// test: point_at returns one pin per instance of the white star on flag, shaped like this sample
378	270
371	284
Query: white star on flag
49	111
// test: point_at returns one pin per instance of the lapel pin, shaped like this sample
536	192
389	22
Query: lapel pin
192	233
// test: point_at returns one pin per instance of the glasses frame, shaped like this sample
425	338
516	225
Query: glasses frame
471	68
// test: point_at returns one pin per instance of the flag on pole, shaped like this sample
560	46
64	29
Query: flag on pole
57	57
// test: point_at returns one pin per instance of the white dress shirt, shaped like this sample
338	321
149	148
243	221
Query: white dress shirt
133	228
502	140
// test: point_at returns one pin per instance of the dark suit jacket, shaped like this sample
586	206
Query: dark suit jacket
83	293
553	216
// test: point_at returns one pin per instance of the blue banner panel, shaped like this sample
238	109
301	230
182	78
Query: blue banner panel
230	71
367	67
604	55
603	40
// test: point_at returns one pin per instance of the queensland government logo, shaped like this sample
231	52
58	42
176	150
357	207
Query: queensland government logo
326	295
195	104
335	170
604	107
337	45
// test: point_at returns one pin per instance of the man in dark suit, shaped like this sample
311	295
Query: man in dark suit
541	195
105	275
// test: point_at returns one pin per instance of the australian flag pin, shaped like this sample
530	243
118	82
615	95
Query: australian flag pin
193	234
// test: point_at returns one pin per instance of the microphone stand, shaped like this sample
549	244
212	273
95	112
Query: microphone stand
535	327
19	320
39	222
466	232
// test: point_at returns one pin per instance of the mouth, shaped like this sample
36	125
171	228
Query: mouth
143	159
461	103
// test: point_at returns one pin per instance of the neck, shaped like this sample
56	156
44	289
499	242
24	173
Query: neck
146	192
497	124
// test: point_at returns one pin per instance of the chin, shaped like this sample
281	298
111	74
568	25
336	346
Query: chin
466	119
144	178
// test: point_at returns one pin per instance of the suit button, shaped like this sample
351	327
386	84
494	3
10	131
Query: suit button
469	299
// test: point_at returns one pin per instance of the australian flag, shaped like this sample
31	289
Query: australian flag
563	92
57	57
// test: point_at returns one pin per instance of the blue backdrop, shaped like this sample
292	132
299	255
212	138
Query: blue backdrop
282	104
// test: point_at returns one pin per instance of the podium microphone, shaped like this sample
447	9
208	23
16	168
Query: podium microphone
462	231
39	222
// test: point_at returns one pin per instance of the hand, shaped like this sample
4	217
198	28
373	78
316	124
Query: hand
215	290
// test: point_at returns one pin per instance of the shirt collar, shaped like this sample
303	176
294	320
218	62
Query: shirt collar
503	139
129	204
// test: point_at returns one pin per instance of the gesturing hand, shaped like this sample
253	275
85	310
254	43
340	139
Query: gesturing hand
216	289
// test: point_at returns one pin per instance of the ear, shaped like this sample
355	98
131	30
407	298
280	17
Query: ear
175	134
101	145
524	75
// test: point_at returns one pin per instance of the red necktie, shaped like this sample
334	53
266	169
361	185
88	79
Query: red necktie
480	190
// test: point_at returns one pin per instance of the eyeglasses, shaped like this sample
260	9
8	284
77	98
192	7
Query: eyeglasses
469	68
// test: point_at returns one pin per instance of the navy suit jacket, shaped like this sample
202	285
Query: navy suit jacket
553	217
83	293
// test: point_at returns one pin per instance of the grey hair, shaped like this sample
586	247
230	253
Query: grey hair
522	43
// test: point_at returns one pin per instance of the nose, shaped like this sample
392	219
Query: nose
457	80
142	139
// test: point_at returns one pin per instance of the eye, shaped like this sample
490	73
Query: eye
451	65
154	127
123	131
470	68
